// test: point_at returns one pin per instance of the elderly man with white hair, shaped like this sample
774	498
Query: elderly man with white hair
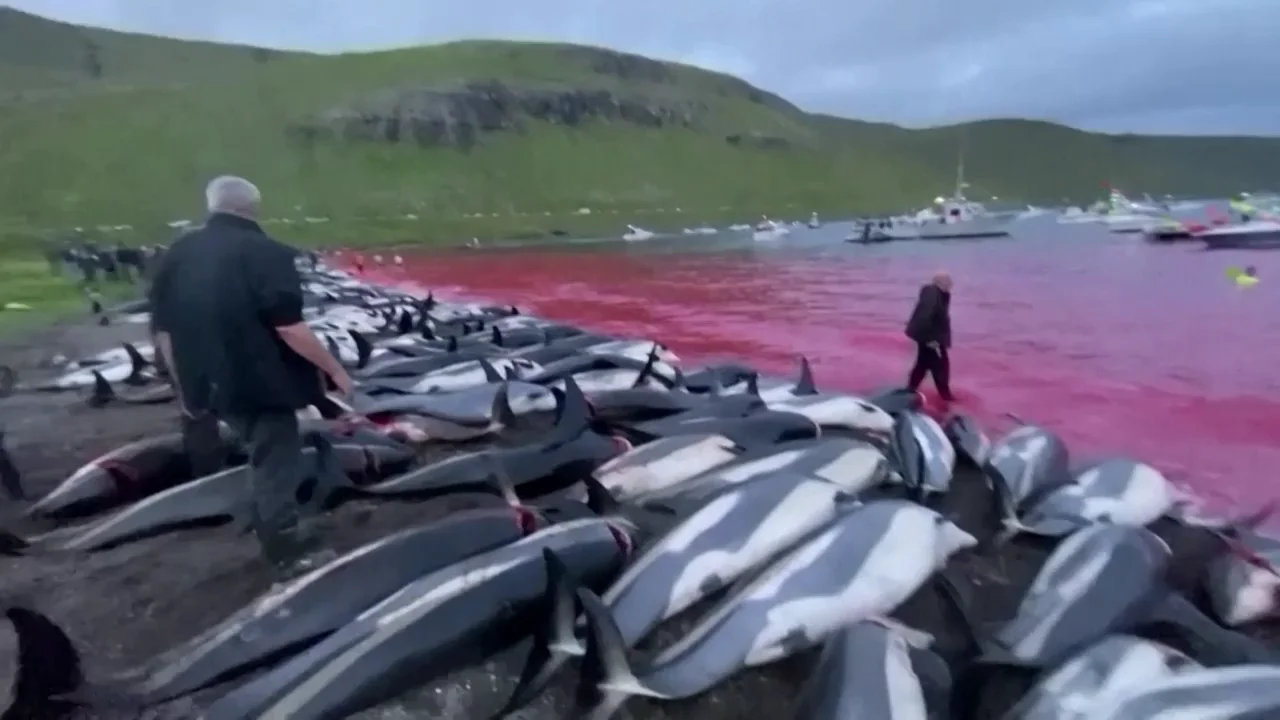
226	305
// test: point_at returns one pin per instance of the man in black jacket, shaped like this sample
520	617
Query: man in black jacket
930	328
226	304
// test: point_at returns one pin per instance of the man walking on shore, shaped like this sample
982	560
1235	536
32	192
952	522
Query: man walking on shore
930	329
227	306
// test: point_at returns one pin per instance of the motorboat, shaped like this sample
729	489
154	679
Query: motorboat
767	230
1169	230
814	222
954	218
635	234
1117	213
1260	234
705	230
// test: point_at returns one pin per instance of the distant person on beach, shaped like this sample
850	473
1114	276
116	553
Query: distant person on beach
227	311
930	329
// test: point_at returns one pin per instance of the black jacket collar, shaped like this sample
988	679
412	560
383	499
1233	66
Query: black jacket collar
219	219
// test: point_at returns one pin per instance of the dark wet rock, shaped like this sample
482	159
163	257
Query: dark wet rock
459	116
757	140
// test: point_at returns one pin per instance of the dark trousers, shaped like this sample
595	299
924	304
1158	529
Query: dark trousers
10	478
275	471
202	443
934	362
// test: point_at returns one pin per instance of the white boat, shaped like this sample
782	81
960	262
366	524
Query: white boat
1117	213
814	222
1251	234
767	230
953	218
634	234
739	227
700	231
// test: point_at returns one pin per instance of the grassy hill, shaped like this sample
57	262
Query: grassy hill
98	127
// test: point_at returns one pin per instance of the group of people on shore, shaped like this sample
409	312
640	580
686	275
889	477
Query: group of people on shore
113	263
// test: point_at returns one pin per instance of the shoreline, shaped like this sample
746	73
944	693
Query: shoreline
124	605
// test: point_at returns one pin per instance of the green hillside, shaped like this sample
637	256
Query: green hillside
99	127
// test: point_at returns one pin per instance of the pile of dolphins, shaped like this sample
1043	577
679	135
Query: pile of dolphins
799	519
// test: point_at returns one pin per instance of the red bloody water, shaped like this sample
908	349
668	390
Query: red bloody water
1121	347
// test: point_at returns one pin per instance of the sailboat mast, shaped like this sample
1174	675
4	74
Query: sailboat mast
959	194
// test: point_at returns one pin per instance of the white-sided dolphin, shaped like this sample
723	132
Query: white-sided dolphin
447	620
737	531
1118	490
862	567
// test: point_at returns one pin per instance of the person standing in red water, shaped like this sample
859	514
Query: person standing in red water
930	329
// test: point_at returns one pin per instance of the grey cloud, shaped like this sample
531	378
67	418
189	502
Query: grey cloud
1199	66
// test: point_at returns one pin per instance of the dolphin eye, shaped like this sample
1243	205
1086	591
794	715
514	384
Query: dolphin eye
867	408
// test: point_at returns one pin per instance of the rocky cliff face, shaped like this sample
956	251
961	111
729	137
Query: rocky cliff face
459	116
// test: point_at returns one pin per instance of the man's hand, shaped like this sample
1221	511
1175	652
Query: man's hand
936	347
342	381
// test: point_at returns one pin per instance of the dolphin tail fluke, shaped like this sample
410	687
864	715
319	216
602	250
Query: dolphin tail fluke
491	373
496	336
647	370
429	302
137	363
48	667
753	384
426	331
364	349
554	641
102	394
607	678
574	416
805	385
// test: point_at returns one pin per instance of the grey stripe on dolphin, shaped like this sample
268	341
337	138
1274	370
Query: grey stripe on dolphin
832	411
860	568
868	671
572	451
133	369
1243	692
1025	466
1100	580
776	389
1117	490
1114	664
453	618
463	414
852	464
291	617
456	376
214	499
922	455
756	429
735	533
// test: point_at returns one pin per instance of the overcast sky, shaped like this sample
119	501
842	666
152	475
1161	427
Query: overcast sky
1194	66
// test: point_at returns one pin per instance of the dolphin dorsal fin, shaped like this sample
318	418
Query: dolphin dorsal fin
805	385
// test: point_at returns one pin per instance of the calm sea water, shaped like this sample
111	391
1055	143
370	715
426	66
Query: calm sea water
1121	347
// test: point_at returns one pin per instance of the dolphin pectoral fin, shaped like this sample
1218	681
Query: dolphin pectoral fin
137	365
364	349
647	370
501	412
102	392
607	678
805	385
491	373
574	416
48	667
917	639
554	641
599	499
1213	644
